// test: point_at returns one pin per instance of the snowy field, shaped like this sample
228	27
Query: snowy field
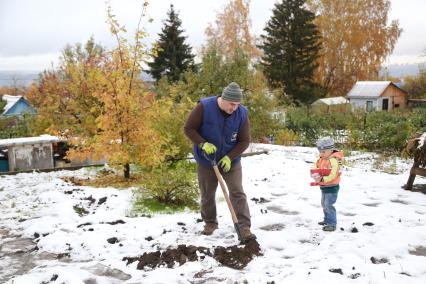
380	236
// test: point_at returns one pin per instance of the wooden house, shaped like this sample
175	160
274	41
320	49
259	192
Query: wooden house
16	106
377	95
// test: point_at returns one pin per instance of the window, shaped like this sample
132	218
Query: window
369	105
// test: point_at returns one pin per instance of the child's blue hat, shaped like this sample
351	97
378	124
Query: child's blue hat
325	143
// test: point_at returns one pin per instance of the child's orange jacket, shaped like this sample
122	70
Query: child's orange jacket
333	163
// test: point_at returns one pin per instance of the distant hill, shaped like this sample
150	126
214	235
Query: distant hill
25	78
402	70
18	78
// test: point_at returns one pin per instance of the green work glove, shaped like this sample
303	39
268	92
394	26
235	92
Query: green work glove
208	148
225	163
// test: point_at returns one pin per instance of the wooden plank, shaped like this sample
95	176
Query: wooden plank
418	171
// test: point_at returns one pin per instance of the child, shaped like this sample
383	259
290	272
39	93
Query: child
330	159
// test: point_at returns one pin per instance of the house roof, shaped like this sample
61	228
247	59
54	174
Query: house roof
331	101
10	102
28	140
369	89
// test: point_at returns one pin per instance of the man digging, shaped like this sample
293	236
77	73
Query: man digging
219	127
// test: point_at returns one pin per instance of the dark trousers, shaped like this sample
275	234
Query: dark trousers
208	183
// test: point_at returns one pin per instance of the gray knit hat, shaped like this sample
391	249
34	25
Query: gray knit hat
325	143
232	93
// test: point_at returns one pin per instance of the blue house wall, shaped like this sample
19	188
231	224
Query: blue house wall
19	108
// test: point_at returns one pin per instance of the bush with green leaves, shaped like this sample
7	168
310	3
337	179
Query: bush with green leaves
379	130
386	130
16	126
173	184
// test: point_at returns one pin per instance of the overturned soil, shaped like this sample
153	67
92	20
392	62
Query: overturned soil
236	257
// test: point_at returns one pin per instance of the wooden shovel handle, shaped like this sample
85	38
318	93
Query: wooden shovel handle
225	193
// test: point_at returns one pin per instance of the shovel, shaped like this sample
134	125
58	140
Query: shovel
225	194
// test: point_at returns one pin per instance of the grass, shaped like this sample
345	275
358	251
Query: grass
107	180
147	205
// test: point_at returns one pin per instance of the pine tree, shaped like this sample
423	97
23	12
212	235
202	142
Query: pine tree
173	54
291	47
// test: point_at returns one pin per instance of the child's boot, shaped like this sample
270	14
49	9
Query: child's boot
329	228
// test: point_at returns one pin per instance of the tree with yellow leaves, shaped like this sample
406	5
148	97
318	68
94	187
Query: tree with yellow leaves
231	31
125	124
356	39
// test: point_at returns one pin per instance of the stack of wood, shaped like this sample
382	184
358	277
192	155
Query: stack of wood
416	148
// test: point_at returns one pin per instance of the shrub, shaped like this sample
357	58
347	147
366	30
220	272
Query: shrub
287	137
173	184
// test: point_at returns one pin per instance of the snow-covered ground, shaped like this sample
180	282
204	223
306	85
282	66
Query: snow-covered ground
381	235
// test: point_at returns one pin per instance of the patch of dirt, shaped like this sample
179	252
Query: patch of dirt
102	200
371	204
114	222
420	251
348	214
280	210
273	227
354	276
378	260
419	188
399	201
74	180
336	270
260	200
236	257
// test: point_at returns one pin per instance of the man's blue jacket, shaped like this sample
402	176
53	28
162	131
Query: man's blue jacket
219	130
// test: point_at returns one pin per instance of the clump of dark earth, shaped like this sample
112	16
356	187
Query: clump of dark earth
149	238
354	230
181	223
354	276
112	240
53	279
378	261
84	224
236	257
115	222
259	200
37	235
336	270
368	224
102	200
90	199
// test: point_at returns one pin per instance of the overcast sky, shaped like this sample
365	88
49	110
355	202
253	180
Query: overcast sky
33	32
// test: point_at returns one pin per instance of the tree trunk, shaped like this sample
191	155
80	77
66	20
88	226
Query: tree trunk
127	171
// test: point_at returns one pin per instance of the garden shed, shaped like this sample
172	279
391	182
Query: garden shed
377	95
16	105
338	104
27	153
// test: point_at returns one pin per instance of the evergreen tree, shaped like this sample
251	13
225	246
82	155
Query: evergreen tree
173	55
291	48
